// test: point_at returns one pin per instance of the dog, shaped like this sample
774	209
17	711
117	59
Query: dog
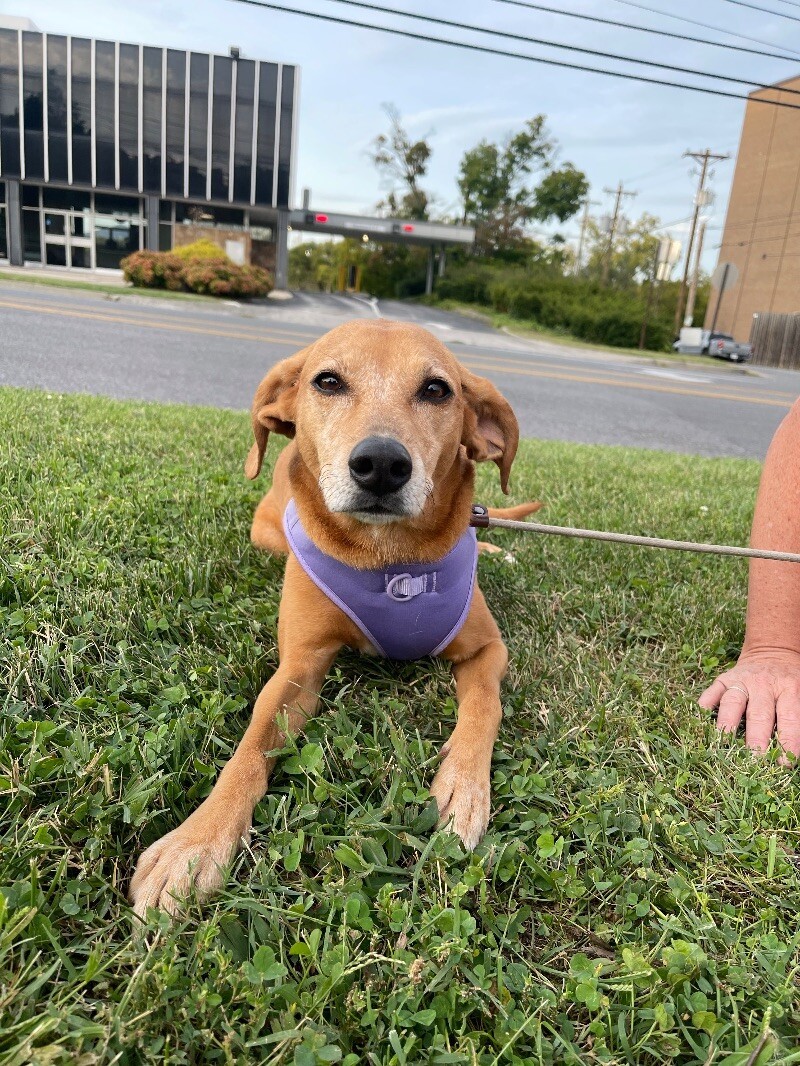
371	501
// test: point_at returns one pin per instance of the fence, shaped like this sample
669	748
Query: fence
776	340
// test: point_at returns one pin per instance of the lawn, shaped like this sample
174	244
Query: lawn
634	901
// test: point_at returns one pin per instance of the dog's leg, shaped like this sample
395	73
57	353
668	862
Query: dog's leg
461	787
195	854
267	529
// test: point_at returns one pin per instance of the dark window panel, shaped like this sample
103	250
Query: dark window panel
176	120
265	148
3	236
285	142
121	206
66	199
165	237
30	195
113	240
2	192
9	104
221	128
129	116
243	134
33	104
57	129
165	210
81	111
151	120
31	237
105	149
198	125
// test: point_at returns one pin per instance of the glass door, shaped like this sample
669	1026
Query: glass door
68	239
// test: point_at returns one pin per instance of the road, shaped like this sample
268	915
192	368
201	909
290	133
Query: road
180	351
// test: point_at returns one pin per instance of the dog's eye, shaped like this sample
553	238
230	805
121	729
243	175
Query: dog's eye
435	391
328	383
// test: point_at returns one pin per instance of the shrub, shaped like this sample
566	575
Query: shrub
203	249
212	277
226	279
153	270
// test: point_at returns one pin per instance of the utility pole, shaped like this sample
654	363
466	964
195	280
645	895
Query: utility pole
689	315
703	158
618	193
587	203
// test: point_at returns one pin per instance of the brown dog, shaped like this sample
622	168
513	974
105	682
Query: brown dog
387	426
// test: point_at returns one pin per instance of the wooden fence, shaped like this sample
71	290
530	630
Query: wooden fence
776	340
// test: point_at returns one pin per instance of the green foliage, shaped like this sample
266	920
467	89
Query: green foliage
209	276
498	197
203	248
404	161
635	899
631	255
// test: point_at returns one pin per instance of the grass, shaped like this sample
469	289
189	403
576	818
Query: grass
634	901
31	278
531	331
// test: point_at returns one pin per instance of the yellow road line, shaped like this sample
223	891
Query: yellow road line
643	386
504	367
174	327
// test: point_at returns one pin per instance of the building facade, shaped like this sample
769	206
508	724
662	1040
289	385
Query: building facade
762	227
106	148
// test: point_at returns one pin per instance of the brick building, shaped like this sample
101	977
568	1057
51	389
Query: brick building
762	228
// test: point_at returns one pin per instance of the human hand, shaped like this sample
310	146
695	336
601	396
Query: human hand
764	685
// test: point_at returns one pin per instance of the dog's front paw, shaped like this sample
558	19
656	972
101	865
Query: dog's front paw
184	860
463	800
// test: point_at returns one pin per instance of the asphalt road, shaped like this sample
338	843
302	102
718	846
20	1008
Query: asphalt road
180	351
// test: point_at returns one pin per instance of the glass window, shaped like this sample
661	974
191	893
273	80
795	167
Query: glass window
33	104
31	236
176	118
243	139
2	192
9	103
165	210
285	142
151	120
221	128
114	238
81	111
30	195
130	206
129	116
165	237
3	235
56	60
66	199
265	150
105	150
198	125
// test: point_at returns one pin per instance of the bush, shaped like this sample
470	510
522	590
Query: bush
203	249
212	277
153	270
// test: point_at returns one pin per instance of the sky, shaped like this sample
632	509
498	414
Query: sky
613	130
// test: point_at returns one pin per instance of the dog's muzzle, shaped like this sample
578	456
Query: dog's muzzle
380	465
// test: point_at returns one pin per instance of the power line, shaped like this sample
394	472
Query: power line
648	29
515	55
764	10
706	25
472	28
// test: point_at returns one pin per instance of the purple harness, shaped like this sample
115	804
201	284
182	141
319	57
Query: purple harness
405	611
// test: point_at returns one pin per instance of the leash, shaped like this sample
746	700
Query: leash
482	520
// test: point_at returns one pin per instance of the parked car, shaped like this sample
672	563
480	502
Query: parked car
718	345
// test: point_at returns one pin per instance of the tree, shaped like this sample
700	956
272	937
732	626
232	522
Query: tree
402	161
500	198
631	255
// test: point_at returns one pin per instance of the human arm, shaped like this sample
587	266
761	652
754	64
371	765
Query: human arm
765	683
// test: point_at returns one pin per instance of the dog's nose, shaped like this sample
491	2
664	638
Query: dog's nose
380	465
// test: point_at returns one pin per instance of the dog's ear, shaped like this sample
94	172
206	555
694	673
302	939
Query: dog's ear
274	407
490	428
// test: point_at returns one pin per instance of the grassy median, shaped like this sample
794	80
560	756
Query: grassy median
634	901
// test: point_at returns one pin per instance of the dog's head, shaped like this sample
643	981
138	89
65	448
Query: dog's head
381	412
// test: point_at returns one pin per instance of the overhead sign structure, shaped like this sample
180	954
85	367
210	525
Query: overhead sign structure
386	229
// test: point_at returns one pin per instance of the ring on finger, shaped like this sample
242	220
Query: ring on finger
739	688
